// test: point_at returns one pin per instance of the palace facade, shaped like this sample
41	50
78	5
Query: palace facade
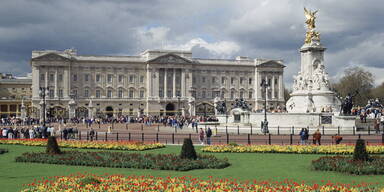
156	82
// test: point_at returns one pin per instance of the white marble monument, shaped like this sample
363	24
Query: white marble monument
311	91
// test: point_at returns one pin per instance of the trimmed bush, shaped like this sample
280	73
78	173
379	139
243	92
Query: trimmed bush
52	146
3	151
88	180
347	165
360	153
187	150
126	160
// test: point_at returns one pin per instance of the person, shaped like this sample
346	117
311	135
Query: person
65	133
201	136
337	139
109	129
317	137
92	134
376	125
302	136
209	134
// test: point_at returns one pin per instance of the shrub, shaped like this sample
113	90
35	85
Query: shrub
3	151
52	146
187	150
347	165
126	160
360	153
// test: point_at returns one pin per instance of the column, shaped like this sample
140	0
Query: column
258	87
66	83
35	82
56	90
182	83
46	78
273	86
174	83
281	87
149	82
155	86
165	83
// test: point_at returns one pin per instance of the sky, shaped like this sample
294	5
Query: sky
352	30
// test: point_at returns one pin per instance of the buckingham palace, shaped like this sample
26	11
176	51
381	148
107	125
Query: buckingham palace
155	82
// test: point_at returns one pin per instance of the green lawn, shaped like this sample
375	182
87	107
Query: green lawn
245	166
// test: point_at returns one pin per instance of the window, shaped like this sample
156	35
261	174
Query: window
241	94
86	77
121	77
232	80
232	94
60	77
51	93
130	111
42	77
141	79
131	78
97	93
120	93
202	94
74	77
275	81
250	81
51	77
130	94
250	95
222	94
141	93
241	80
60	93
98	77
161	94
213	80
109	93
203	79
193	93
169	93
178	93
222	80
193	79
109	78
86	93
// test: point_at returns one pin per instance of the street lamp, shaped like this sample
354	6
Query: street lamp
264	124
205	109
178	105
226	112
42	93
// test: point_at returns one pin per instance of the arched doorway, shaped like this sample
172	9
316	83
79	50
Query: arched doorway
109	111
170	109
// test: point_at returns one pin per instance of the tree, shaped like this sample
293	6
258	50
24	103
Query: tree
360	153
187	150
356	80
378	92
52	146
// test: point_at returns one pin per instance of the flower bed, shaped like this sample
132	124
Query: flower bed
3	151
126	160
302	149
87	182
374	166
117	145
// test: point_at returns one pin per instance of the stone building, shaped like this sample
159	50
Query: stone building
15	94
156	82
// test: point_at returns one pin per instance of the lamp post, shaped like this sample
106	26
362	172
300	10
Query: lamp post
226	112
264	124
42	93
178	105
205	109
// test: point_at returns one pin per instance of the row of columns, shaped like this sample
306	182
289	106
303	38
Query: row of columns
165	83
272	86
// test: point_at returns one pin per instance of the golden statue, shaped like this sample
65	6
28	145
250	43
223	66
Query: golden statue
310	18
311	33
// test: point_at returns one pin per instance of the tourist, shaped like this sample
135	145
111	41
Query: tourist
337	139
201	136
92	134
304	136
209	134
317	137
31	133
109	129
376	125
65	133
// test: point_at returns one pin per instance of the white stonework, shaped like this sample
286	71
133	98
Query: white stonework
155	82
311	92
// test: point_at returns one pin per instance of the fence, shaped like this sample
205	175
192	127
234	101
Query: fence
177	138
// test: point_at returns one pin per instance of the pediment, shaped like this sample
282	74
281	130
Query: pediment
51	57
272	64
170	59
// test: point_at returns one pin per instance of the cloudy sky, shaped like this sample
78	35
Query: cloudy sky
352	30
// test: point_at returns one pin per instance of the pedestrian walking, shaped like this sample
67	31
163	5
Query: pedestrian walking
209	134
317	137
201	136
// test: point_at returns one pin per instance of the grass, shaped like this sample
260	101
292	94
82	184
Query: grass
244	166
